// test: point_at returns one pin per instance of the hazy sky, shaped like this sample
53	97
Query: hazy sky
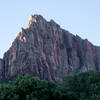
80	17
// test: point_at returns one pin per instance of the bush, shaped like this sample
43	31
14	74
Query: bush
81	86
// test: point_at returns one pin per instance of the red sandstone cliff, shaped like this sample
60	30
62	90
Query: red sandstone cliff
45	50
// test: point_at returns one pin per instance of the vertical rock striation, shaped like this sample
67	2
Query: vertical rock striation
49	52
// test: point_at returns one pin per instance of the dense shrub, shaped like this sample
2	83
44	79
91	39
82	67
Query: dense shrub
81	86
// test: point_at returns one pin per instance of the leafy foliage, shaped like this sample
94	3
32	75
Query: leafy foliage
81	86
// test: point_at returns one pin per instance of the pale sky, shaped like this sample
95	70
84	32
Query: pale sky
81	17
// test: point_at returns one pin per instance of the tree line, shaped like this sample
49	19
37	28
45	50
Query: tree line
80	86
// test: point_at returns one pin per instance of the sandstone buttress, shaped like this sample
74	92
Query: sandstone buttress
49	52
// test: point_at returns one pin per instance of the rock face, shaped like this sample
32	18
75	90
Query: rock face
1	70
49	52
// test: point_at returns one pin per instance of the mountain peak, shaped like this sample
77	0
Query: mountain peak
49	52
35	18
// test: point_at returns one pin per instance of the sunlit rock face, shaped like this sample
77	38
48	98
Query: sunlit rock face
49	52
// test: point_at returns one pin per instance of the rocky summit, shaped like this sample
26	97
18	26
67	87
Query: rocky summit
47	51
